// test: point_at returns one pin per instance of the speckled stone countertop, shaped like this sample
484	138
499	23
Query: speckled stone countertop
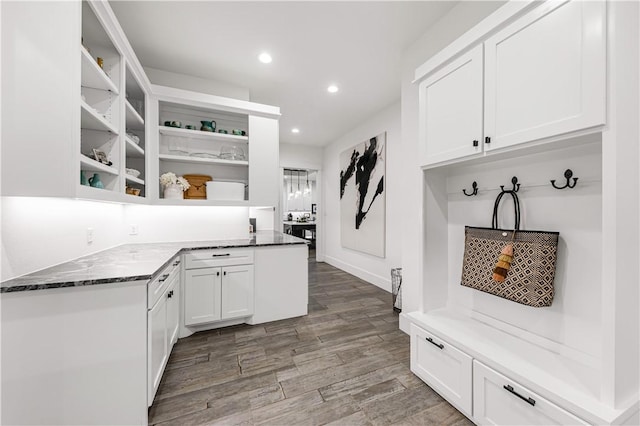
131	262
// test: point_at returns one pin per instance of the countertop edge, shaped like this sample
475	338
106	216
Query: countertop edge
130	278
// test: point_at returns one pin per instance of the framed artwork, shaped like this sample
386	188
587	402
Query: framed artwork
314	209
363	197
101	157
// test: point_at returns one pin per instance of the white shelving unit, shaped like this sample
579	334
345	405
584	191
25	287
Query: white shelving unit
201	160
134	120
133	149
95	166
134	179
92	120
93	76
199	134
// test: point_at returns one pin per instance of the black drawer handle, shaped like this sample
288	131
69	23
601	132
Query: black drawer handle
487	139
430	340
163	278
176	263
221	255
475	143
170	294
527	400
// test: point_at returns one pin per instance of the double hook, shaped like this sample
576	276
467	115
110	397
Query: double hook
474	185
567	174
516	185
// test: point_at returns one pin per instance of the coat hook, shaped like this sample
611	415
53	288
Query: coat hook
474	185
516	185
567	174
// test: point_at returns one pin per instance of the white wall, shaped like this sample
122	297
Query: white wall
370	268
41	232
459	20
300	156
196	84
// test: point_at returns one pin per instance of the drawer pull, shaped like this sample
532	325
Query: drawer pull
527	400
430	340
170	294
176	263
221	255
163	278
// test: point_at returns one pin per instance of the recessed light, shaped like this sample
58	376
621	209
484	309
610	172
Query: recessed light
295	130
332	89
265	58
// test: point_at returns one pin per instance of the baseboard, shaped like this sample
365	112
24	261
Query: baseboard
377	280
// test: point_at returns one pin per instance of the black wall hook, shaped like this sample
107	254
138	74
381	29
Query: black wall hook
567	174
474	185
516	185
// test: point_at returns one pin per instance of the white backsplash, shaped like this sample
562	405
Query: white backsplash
42	232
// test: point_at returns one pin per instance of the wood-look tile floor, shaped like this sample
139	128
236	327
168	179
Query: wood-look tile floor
346	363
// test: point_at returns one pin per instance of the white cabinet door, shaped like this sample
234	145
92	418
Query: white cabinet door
237	291
545	73
264	161
443	367
202	295
173	311
498	400
158	352
451	110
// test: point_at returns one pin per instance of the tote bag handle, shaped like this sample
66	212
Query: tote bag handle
516	209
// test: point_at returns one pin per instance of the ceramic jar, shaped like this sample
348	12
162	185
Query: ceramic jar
173	192
95	181
208	126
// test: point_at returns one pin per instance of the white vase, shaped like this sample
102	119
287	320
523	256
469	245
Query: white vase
173	192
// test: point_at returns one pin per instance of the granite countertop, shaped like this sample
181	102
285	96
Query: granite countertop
131	262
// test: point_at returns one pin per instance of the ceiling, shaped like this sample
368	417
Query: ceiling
356	45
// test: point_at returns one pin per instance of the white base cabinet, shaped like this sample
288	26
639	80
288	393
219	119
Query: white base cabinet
162	324
443	367
202	295
218	286
498	400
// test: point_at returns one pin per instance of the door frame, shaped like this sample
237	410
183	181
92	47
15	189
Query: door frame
320	205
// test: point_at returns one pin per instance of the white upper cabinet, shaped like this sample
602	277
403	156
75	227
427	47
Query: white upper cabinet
542	76
545	74
451	110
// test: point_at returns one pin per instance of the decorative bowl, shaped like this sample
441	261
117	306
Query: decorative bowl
133	172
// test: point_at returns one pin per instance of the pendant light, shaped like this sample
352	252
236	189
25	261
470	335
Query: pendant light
290	195
298	191
307	189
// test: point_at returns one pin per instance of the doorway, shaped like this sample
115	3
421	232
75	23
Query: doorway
300	200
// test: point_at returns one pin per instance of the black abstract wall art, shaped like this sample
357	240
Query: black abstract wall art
362	196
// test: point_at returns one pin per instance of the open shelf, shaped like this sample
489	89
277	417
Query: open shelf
87	163
93	76
134	120
90	119
199	134
199	160
134	179
133	149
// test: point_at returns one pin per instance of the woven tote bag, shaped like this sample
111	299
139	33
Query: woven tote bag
529	280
